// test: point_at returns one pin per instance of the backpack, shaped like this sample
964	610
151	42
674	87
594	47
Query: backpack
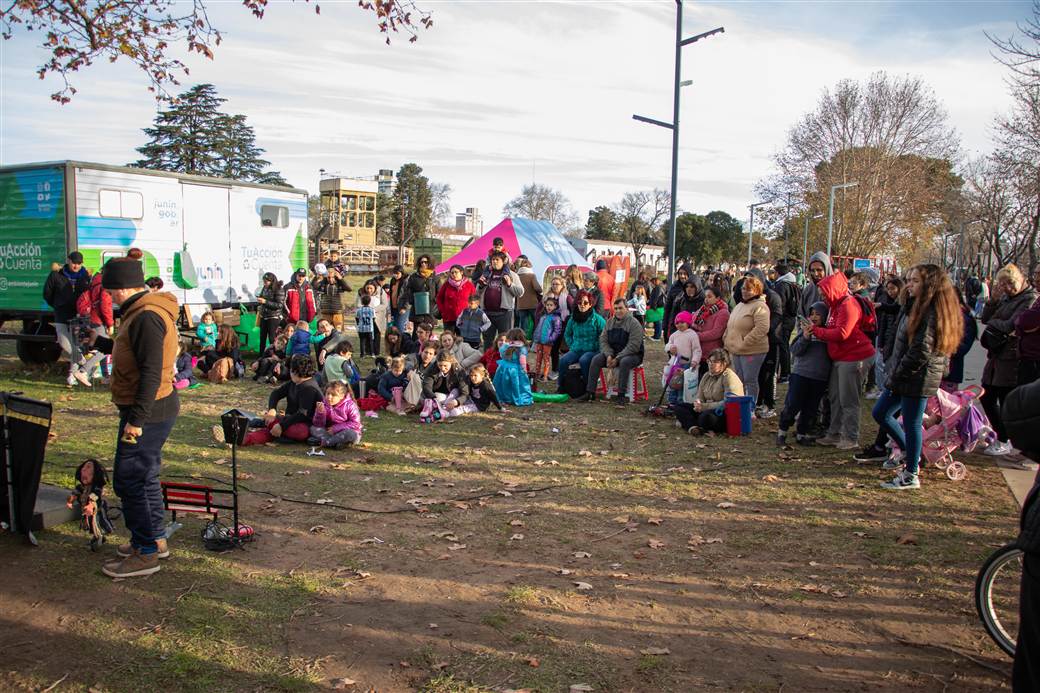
868	322
572	383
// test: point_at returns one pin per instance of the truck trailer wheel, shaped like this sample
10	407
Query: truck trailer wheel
34	351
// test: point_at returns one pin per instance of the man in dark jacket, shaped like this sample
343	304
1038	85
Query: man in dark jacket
682	275
1022	420
621	347
143	356
786	287
766	408
60	291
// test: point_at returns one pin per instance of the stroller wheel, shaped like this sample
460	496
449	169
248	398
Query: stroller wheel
956	471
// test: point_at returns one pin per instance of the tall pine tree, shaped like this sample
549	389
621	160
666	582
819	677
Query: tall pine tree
194	136
412	205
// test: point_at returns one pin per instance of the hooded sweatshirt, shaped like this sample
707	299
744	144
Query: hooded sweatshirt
811	359
845	340
344	415
549	328
786	286
811	292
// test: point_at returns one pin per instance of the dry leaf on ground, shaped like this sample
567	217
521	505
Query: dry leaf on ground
583	586
655	543
907	539
726	504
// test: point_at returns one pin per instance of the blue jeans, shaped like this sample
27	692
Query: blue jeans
657	329
135	479
582	358
907	436
401	320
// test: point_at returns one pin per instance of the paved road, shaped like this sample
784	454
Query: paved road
1018	481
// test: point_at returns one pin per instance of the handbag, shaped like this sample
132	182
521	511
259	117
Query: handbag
994	340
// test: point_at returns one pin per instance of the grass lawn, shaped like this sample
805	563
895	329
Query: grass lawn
624	573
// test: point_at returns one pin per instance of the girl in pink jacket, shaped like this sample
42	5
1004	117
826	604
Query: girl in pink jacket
337	419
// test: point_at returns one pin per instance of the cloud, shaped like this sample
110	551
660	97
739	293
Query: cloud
497	94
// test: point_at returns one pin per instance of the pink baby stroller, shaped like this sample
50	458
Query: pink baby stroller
952	420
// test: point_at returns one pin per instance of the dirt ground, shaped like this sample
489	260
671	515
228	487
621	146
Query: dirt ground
614	552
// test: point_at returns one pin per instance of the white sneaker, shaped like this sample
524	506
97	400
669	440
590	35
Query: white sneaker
896	461
873	394
82	378
553	375
765	413
998	449
71	380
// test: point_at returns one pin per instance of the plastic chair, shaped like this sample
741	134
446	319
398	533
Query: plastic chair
636	385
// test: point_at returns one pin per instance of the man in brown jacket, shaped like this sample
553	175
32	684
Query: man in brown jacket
143	355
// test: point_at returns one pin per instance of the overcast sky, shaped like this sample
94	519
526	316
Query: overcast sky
499	94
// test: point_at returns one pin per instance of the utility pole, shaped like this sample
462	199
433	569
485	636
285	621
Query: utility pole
674	125
830	214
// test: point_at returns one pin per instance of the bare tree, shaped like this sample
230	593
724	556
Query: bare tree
890	135
441	194
1021	52
640	215
540	202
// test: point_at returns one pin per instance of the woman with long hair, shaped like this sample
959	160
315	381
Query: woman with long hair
271	313
929	330
1011	296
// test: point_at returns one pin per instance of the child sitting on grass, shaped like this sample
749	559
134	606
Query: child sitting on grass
395	378
300	342
184	369
207	331
511	381
490	358
269	365
481	392
445	390
810	374
337	420
301	395
340	367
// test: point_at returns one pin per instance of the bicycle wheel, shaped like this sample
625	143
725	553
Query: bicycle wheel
997	590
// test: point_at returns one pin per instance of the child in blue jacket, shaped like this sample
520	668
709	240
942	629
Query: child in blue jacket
546	332
300	342
810	373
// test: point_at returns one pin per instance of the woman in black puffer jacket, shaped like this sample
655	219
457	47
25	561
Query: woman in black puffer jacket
929	330
271	298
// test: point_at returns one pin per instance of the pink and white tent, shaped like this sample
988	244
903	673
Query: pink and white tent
540	241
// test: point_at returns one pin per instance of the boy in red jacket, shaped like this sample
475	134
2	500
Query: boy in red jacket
852	353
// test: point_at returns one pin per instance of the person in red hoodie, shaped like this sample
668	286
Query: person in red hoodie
299	298
95	304
453	296
852	353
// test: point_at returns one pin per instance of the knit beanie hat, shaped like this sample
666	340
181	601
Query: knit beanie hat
122	273
684	316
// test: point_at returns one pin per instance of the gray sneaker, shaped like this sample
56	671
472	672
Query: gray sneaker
903	480
895	461
846	444
828	440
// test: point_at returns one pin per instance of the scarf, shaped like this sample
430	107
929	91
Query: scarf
456	284
704	313
581	316
425	272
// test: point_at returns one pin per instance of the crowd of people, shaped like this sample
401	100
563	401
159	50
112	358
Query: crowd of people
492	335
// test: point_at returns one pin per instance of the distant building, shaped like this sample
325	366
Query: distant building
651	257
386	181
469	222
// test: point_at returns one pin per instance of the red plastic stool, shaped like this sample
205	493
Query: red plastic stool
636	386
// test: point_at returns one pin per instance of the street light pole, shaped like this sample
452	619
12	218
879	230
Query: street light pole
674	125
805	241
751	227
830	214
